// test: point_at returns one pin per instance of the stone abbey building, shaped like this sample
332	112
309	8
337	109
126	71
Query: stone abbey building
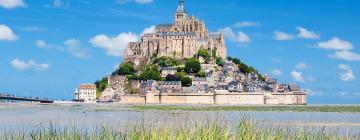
181	39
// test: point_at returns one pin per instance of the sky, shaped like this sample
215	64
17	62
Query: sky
49	47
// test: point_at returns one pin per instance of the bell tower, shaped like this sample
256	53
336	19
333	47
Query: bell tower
180	11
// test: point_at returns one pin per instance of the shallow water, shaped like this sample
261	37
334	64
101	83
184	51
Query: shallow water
27	116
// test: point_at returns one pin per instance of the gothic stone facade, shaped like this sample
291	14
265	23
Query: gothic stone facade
181	39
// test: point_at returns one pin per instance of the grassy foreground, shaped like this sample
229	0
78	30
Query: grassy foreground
246	130
342	109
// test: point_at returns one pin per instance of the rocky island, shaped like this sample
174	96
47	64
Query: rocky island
182	63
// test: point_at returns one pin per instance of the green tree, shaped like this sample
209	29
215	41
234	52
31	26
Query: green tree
213	53
126	69
203	53
102	84
220	61
236	61
150	72
192	66
186	81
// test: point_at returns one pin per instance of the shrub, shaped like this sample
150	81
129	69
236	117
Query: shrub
186	81
201	74
126	69
192	66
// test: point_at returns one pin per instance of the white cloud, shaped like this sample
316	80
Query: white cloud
136	1
239	37
44	45
151	29
58	3
304	33
314	92
342	93
40	44
297	76
346	73
346	55
29	65
114	46
6	33
34	29
73	47
282	36
276	72
246	24
302	65
10	4
335	44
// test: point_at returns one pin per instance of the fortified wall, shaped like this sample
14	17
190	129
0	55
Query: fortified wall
219	97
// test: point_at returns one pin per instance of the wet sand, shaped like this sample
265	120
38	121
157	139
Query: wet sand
121	116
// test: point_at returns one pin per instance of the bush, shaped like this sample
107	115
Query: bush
180	74
150	72
166	61
180	69
186	81
201	74
102	84
126	69
203	53
220	61
192	66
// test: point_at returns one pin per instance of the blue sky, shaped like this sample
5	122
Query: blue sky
49	47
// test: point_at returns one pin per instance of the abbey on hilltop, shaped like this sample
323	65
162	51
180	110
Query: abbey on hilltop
182	63
181	39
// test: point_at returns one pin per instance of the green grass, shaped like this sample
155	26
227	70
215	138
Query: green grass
341	109
246	130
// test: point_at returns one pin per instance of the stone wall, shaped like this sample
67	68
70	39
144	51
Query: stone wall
188	98
231	98
240	98
131	99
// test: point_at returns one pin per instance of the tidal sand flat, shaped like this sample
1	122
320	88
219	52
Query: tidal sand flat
123	118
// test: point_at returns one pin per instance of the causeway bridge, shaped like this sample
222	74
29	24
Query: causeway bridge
13	98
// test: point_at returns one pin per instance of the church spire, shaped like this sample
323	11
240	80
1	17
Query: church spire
181	7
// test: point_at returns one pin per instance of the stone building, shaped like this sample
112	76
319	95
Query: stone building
181	39
86	93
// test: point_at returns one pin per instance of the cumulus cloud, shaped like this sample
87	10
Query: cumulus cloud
282	36
151	29
239	37
11	4
305	33
28	65
346	73
114	46
74	48
297	76
71	46
6	33
136	1
302	65
335	44
246	24
346	55
276	72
